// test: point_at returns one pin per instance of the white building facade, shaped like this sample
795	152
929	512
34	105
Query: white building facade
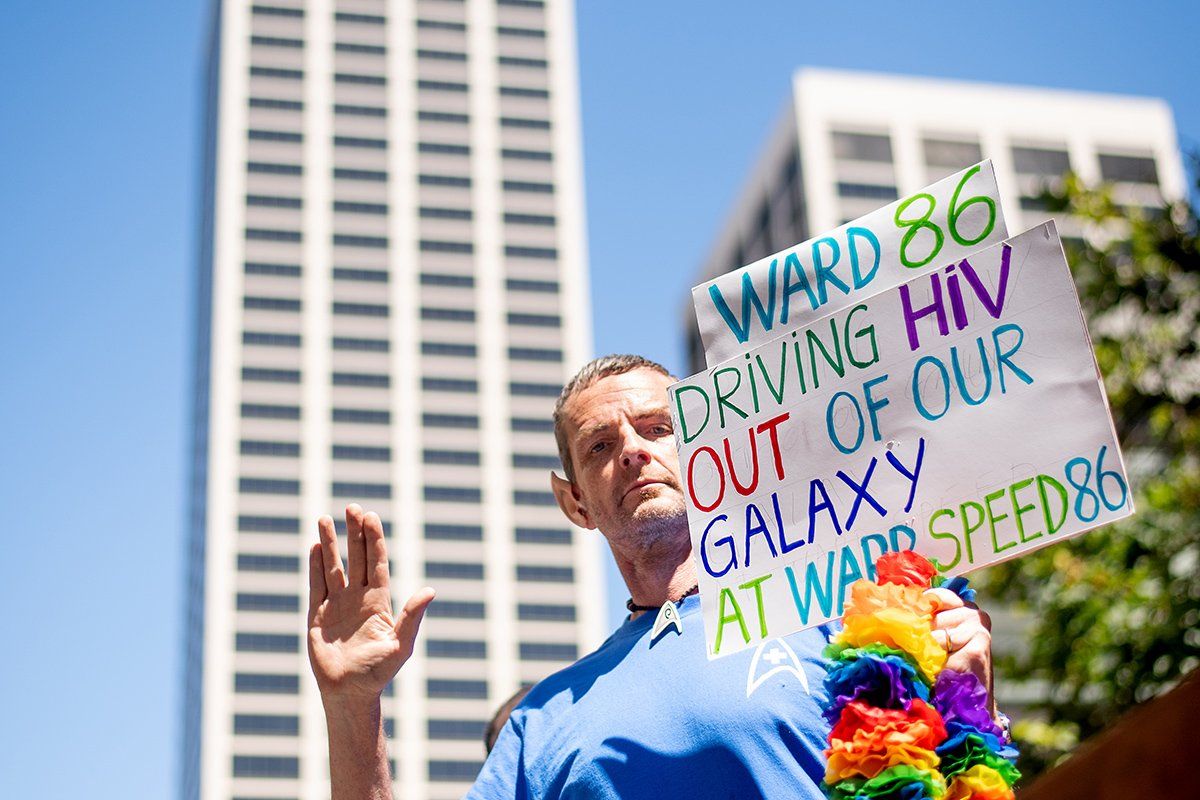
392	290
848	143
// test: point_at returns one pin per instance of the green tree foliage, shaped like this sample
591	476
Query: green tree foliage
1117	611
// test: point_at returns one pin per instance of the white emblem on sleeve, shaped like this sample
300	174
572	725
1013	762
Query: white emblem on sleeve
773	657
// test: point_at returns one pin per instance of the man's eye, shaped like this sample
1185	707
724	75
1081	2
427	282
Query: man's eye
662	430
596	448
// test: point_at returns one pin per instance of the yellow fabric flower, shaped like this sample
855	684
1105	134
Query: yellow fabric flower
896	627
979	783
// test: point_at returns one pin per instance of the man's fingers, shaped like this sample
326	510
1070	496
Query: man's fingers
944	599
376	546
356	546
335	577
411	616
317	592
955	617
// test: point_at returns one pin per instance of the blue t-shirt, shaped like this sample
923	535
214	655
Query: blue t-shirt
641	720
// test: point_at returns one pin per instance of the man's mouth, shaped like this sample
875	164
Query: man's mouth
640	485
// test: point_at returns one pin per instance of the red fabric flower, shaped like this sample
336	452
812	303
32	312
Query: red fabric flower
906	568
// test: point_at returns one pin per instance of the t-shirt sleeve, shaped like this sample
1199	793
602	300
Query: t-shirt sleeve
503	774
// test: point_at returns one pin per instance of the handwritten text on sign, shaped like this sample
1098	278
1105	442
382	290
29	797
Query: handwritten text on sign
749	306
959	414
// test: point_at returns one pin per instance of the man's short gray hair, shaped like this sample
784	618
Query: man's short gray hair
594	370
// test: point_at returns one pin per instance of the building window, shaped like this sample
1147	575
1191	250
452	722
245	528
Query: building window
359	111
866	191
360	309
530	252
524	33
276	11
1128	169
363	275
265	683
466	729
267	411
267	201
441	86
374	175
265	168
543	536
441	55
525	285
443	689
447	314
548	651
268	486
274	270
258	524
1040	161
348	207
454	570
540	612
444	149
266	724
362	19
248	601
373	491
535	461
286	304
260	562
354	240
534	354
537	573
528	186
360	142
448	349
355	452
523	122
275	104
535	320
441	279
454	771
514	61
362	416
527	155
361	49
266	339
457	609
460	385
522	3
254	447
267	643
428	212
359	80
274	136
455	648
528	425
545	220
444	180
266	767
441	25
362	380
436	246
524	497
443	116
453	533
523	91
263	375
460	421
453	494
361	345
951	154
862	146
462	458
534	389
276	72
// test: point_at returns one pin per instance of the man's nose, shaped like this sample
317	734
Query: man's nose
633	449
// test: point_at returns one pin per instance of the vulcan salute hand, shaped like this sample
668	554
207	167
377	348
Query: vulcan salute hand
355	645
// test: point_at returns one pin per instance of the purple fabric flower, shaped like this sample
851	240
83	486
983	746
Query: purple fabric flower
960	697
883	682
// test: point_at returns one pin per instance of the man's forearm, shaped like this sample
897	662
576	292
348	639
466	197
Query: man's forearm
358	766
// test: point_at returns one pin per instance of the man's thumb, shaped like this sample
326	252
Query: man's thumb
412	614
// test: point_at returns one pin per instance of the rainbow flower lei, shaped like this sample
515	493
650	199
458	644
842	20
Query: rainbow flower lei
905	728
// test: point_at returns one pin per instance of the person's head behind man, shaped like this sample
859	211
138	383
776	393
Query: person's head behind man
615	439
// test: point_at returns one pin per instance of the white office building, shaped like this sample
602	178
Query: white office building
392	290
848	143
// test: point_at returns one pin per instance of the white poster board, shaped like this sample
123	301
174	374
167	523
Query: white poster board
960	414
919	233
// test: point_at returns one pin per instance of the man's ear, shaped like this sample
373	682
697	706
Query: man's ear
570	502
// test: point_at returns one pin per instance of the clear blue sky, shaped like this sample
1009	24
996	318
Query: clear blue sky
99	124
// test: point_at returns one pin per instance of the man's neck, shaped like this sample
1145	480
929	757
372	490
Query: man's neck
664	571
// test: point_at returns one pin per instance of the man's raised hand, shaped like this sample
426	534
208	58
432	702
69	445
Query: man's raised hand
355	645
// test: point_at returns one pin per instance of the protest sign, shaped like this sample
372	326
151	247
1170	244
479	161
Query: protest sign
757	303
960	414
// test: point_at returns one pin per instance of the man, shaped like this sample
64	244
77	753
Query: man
639	717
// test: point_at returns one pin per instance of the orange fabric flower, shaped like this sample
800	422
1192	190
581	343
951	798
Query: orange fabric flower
867	740
904	567
867	598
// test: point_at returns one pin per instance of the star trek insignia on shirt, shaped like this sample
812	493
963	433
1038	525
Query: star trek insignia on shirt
774	657
668	616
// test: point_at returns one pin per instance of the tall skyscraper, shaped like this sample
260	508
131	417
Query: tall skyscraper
392	290
850	142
